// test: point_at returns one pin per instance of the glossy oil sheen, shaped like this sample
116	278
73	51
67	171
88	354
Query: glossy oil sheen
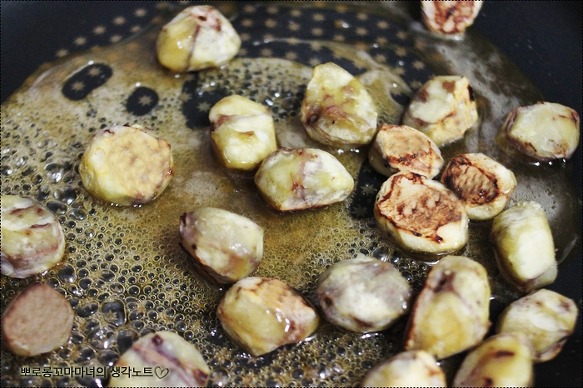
124	270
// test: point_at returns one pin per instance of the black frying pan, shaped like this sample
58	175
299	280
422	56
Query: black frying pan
542	38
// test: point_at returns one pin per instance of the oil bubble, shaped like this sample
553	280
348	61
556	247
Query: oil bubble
87	310
114	312
67	274
78	214
85	354
6	170
108	357
67	195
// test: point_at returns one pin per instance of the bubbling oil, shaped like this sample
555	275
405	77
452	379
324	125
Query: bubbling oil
124	271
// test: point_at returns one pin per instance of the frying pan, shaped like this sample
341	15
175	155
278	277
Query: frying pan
543	39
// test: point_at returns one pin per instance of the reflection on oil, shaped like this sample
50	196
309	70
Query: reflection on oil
125	273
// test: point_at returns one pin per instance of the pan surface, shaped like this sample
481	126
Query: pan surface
123	286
